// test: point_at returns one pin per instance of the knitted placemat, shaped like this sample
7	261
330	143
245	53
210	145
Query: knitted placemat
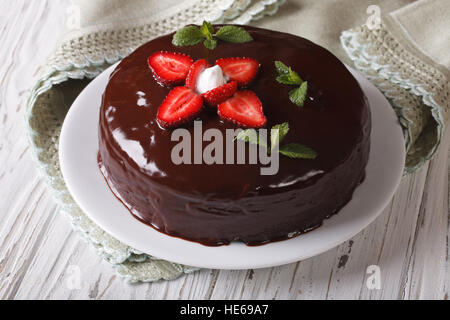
68	71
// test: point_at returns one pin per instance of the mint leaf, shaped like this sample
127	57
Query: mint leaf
191	35
288	76
286	79
248	135
298	96
278	133
281	67
294	76
210	43
187	36
207	29
297	151
233	34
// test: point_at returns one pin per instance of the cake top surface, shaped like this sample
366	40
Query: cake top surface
333	120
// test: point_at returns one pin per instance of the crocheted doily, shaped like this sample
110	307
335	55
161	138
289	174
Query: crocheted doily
84	58
418	92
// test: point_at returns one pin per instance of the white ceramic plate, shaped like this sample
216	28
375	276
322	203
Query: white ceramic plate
78	158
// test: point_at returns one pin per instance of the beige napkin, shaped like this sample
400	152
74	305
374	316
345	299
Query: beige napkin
99	33
407	57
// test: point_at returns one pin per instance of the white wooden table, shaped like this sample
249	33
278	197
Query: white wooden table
409	242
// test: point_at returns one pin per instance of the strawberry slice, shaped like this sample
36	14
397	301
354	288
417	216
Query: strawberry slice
169	67
181	105
194	71
220	94
242	70
244	109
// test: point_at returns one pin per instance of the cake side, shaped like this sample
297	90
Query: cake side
215	204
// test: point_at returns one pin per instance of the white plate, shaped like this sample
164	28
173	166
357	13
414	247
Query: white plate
78	158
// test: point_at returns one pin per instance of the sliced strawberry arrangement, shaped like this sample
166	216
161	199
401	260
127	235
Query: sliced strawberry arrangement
244	108
170	67
194	71
181	105
220	94
242	70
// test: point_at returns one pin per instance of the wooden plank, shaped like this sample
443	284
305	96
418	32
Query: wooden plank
429	257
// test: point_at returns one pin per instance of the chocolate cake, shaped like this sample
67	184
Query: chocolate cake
215	204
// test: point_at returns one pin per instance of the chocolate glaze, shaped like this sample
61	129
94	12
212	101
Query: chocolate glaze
216	204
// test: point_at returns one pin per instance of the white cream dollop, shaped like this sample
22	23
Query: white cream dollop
209	79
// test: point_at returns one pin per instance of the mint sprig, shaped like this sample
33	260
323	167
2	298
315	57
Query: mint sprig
287	75
233	34
192	35
297	151
298	96
281	67
188	36
207	28
211	44
248	135
277	135
290	77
